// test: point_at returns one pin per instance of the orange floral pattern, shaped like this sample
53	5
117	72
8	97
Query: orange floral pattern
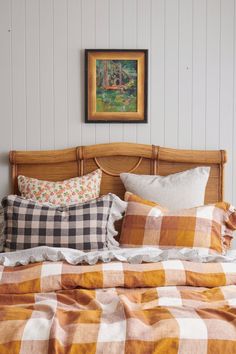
71	191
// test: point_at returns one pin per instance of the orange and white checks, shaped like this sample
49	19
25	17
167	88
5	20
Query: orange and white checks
208	227
174	306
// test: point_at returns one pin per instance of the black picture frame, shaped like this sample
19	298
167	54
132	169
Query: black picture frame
91	116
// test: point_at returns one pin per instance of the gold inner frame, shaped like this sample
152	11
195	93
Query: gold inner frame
92	57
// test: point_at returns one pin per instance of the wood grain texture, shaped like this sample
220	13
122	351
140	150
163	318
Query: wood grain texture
115	158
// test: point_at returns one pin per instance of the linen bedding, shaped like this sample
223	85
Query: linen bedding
208	227
84	226
142	300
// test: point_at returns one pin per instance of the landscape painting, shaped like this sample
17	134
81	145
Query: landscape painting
116	85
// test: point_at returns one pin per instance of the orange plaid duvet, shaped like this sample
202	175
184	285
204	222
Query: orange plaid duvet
113	308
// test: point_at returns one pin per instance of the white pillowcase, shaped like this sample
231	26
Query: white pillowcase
181	190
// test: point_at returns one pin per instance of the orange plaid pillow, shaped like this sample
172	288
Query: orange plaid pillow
208	227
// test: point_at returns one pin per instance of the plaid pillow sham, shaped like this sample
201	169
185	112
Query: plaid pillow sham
83	226
207	227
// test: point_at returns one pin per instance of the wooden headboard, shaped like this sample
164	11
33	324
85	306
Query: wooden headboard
114	158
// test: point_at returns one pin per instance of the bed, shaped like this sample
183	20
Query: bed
120	301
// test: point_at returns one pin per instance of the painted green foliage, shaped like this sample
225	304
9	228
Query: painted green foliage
116	85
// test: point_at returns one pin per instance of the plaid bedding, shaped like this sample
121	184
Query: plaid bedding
208	227
82	226
167	307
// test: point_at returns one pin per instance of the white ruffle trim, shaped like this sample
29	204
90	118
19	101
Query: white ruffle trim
117	210
131	255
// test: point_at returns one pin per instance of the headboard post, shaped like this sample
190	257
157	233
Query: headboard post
222	172
12	158
80	159
155	159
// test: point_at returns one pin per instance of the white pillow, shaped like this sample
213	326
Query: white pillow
181	190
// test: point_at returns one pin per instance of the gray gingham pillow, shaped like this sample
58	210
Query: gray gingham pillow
88	226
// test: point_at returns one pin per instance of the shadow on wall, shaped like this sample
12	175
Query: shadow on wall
4	158
5	186
82	88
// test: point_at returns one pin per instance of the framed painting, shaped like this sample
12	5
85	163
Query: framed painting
116	85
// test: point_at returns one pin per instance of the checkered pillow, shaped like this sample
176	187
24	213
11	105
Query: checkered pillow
83	226
206	227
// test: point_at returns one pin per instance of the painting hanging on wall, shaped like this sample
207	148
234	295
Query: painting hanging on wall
116	85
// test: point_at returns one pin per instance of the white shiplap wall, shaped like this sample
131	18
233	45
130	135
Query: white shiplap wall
191	64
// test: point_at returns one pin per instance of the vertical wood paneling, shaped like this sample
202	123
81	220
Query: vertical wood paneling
102	41
116	41
74	72
233	198
226	87
199	74
130	42
233	179
46	73
60	73
19	75
185	73
5	95
171	73
143	42
157	107
192	76
32	75
213	74
88	41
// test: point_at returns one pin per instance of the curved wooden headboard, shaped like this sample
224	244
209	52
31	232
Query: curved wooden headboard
115	158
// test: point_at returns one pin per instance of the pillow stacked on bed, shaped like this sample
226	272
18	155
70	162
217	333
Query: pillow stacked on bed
180	190
51	213
149	224
167	214
61	214
71	191
86	226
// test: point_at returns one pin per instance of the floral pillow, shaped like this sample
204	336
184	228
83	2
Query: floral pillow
72	191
